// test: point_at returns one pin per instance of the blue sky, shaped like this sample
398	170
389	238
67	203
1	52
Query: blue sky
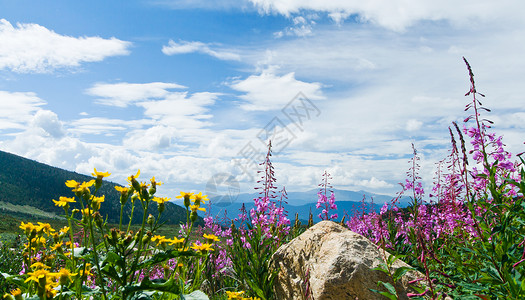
185	90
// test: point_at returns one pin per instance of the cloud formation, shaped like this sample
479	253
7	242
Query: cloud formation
17	109
269	91
183	47
397	15
31	48
123	94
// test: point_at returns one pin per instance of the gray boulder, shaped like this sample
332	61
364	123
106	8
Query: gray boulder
328	261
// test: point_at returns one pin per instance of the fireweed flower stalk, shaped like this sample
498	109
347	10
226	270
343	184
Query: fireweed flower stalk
252	246
323	201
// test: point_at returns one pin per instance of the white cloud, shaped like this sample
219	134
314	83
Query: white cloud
184	47
17	109
179	110
399	14
269	91
301	27
49	123
123	94
413	125
105	126
30	48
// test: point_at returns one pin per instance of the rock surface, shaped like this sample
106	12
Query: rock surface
331	262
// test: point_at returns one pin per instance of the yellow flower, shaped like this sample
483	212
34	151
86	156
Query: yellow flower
202	247
27	227
158	239
64	230
39	240
85	212
199	197
37	275
133	177
184	195
16	292
100	175
72	184
56	246
122	190
64	275
175	241
88	271
196	207
154	182
161	200
211	237
234	295
64	201
95	202
39	265
79	187
45	227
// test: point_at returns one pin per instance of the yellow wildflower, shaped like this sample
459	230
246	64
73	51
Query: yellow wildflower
16	292
72	184
234	295
88	271
39	265
202	248
161	200
64	201
194	208
56	246
122	190
199	197
176	241
154	182
37	275
39	240
45	227
64	230
159	239
64	275
27	227
95	202
100	175
211	237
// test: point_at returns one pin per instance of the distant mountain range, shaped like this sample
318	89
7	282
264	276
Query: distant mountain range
27	188
228	204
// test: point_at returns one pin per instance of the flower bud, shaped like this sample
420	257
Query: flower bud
162	207
193	216
151	220
98	218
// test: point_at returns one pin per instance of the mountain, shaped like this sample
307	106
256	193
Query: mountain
28	187
229	204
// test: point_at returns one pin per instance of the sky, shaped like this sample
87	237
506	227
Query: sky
191	91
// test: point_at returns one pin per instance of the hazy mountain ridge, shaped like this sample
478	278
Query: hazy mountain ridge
303	202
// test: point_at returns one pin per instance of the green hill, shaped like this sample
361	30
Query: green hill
27	188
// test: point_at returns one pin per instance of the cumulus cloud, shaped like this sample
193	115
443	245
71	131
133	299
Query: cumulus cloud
269	91
181	110
123	94
17	109
48	121
397	15
32	48
183	47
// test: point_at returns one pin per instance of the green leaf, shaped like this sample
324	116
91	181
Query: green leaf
388	286
400	272
386	294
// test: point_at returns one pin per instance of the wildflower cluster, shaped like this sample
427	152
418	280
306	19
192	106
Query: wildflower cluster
112	262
